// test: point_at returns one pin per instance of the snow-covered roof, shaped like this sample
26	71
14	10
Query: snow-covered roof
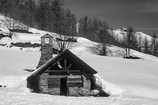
4	30
68	54
47	35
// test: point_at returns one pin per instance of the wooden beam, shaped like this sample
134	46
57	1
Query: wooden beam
57	72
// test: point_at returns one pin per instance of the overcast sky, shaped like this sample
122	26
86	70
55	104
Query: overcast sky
141	14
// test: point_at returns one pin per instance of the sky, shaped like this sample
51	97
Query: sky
142	15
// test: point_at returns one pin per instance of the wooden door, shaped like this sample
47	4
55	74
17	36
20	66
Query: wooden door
63	86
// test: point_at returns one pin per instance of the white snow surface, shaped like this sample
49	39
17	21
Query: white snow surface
131	77
121	34
26	37
3	29
13	61
130	82
5	40
119	76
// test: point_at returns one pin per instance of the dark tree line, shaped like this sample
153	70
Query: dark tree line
154	45
96	30
50	15
46	15
140	44
90	27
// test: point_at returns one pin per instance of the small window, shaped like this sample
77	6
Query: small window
53	82
74	81
46	40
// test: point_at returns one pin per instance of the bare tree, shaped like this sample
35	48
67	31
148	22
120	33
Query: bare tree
129	41
64	42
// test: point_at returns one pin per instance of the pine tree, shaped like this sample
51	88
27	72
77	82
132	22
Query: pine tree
69	23
102	33
129	41
30	11
146	46
41	14
154	44
84	25
4	6
56	8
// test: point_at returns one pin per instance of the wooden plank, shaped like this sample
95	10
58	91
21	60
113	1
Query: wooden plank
53	82
75	72
54	91
74	76
62	72
74	85
77	81
57	76
50	71
56	72
74	81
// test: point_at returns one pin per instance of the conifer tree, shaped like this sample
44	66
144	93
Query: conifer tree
154	44
102	33
129	41
146	46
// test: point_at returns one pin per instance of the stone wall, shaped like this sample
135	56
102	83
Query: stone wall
44	88
84	90
81	91
46	54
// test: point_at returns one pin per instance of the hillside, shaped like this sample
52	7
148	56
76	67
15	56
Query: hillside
128	81
121	33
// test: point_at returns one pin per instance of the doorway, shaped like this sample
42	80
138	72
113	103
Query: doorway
63	86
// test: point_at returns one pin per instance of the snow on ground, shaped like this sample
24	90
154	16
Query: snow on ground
12	98
144	56
120	35
34	37
4	30
5	40
26	37
13	61
86	42
41	32
3	20
84	45
130	82
135	77
36	31
115	51
119	76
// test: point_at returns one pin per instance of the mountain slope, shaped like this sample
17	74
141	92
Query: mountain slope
130	82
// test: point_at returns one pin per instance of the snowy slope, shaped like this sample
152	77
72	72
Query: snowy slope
120	35
133	82
130	82
132	74
26	37
13	61
12	98
131	77
5	40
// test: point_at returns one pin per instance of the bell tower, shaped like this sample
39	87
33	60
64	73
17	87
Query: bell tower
46	49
